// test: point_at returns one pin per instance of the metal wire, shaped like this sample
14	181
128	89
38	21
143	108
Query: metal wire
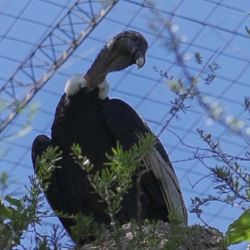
146	90
45	52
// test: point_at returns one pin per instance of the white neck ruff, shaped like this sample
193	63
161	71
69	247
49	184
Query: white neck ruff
77	82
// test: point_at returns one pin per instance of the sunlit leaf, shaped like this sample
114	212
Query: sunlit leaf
239	230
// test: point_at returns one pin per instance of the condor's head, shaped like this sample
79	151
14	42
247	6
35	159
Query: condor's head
125	49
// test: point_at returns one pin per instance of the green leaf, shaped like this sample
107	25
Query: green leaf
13	201
4	211
239	230
4	177
248	193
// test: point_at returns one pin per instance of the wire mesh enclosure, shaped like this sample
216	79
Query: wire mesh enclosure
43	43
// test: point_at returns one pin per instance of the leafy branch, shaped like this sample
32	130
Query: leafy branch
115	179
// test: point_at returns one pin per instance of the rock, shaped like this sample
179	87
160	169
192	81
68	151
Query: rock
160	235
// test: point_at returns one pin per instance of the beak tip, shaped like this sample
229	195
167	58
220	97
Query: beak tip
140	62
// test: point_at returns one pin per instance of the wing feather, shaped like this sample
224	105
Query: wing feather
54	193
170	187
125	124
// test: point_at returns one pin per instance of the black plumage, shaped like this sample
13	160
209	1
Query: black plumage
85	116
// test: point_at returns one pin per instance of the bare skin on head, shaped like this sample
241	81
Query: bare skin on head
123	50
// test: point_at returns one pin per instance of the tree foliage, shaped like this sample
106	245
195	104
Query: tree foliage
19	216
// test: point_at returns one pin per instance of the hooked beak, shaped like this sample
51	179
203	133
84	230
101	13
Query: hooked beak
139	58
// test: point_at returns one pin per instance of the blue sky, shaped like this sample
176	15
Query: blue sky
213	28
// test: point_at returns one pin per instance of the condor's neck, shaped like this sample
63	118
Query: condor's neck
99	69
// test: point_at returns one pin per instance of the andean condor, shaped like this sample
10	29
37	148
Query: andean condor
86	116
